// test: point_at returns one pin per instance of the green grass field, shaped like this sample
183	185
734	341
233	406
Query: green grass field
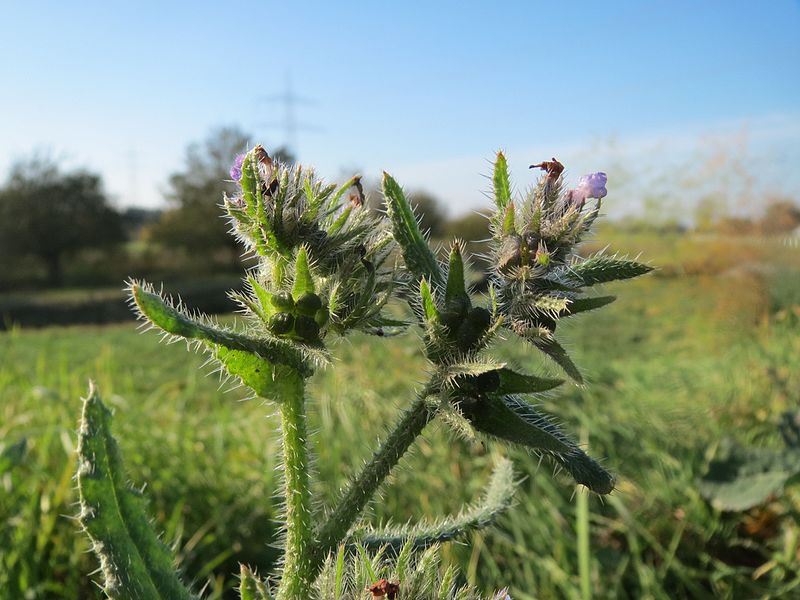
675	365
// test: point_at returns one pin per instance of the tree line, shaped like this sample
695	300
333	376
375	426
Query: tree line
60	227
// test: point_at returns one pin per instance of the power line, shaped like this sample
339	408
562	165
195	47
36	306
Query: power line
290	124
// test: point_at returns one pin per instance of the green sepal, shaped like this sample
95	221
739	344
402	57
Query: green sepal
250	586
509	226
268	381
601	269
456	285
512	382
580	305
249	182
303	282
333	202
417	254
428	304
340	221
511	419
556	352
134	562
501	183
264	298
316	197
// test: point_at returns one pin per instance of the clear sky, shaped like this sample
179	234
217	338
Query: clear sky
427	91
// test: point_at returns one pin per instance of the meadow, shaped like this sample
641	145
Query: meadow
703	349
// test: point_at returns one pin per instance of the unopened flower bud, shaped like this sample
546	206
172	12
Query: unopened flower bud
283	301
306	328
308	304
281	323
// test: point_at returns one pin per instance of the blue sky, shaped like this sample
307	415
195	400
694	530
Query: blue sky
427	91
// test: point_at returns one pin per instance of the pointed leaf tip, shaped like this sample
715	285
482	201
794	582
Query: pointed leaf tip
557	353
417	254
512	382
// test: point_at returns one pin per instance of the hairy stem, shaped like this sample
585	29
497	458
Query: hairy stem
373	474
298	574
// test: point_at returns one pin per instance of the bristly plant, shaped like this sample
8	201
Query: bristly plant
326	266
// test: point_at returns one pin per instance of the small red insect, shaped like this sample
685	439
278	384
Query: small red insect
384	587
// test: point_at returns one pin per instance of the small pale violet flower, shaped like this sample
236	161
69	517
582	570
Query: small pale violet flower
589	186
594	185
236	169
503	595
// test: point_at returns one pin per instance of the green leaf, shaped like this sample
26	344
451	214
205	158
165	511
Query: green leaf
515	421
600	269
451	373
176	322
496	499
511	419
418	256
512	382
741	477
13	455
580	305
303	282
555	351
136	565
267	380
456	285
502	183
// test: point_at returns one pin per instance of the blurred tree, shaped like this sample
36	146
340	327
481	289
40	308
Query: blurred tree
781	216
196	222
472	227
432	215
135	219
49	214
431	212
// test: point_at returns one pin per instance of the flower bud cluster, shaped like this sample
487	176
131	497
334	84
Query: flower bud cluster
534	242
455	329
280	211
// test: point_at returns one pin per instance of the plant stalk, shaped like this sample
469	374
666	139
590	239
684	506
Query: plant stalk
298	575
582	527
372	475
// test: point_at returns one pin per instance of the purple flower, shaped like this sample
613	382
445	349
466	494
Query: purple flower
502	595
589	186
593	185
236	169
